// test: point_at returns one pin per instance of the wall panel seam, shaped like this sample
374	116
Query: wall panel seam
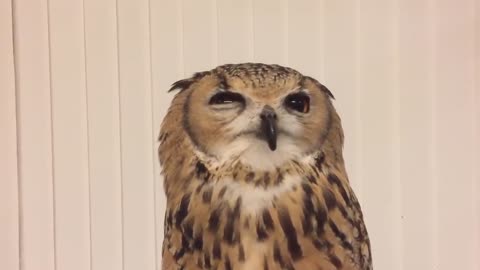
181	35
322	35
433	151
54	203
87	126
215	56
152	132
285	32
18	143
252	19
122	215
358	103
397	186
476	128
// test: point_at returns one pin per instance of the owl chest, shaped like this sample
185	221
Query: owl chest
248	200
238	218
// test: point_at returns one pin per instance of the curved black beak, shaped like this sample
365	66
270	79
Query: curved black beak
269	126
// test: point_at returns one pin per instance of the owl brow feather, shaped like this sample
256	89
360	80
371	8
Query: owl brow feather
223	84
318	84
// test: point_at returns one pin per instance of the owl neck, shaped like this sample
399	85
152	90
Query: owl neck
322	161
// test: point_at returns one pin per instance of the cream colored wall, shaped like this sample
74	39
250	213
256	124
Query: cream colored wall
83	91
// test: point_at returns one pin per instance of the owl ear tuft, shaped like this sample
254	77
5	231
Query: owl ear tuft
326	90
186	83
319	85
181	84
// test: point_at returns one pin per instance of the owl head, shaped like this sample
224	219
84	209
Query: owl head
261	115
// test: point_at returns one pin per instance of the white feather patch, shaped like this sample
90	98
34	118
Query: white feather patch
255	199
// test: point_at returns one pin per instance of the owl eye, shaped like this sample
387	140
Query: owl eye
299	102
226	98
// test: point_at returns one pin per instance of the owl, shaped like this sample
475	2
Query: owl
254	175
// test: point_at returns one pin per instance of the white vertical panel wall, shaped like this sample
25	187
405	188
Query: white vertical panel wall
70	141
83	91
102	91
34	127
416	92
136	135
9	191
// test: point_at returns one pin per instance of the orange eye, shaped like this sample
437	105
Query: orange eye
299	102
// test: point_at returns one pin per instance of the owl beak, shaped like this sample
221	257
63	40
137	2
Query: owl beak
269	126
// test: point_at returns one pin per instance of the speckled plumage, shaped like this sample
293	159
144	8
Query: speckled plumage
232	203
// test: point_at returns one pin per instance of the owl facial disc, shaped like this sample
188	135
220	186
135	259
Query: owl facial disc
269	126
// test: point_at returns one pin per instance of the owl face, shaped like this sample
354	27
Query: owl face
261	115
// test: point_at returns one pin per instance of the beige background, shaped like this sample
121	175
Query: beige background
83	90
